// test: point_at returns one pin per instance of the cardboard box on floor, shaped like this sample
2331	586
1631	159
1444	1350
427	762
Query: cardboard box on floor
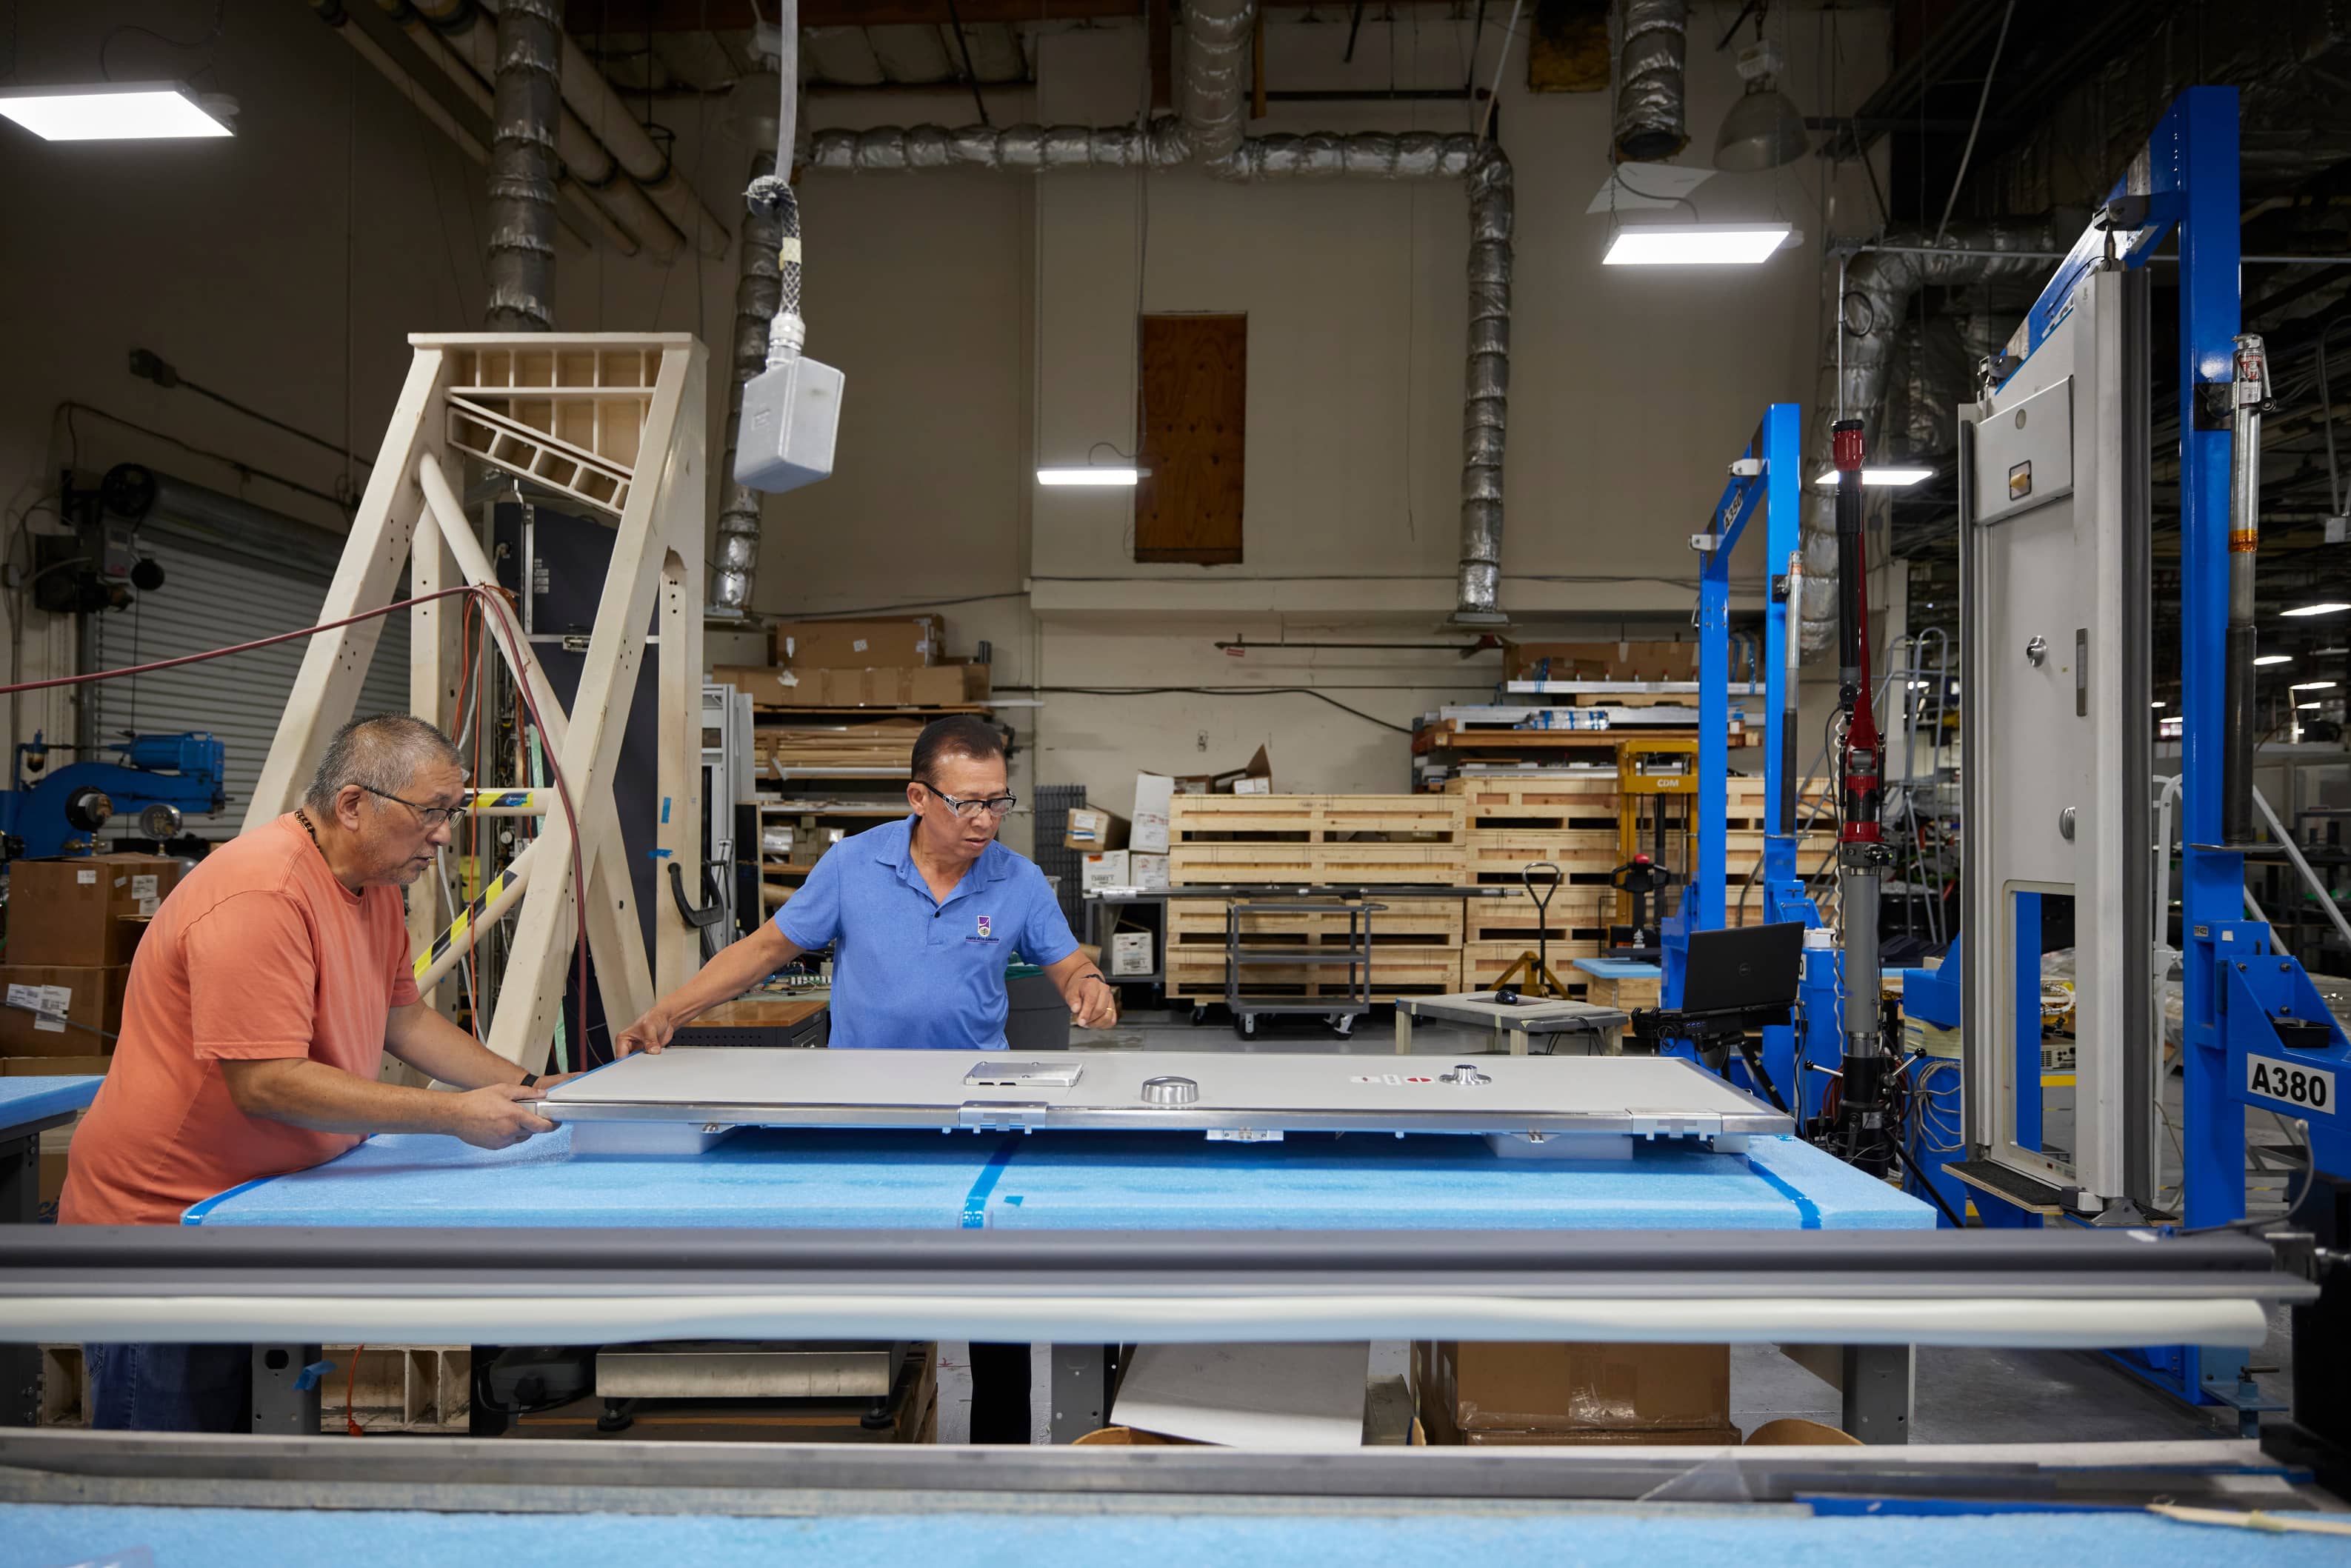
940	685
70	911
1601	661
904	640
1510	1394
72	1003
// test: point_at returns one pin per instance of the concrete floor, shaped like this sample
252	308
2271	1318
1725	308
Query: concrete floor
1962	1395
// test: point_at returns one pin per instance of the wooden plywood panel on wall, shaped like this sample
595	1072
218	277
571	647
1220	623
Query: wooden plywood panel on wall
1194	406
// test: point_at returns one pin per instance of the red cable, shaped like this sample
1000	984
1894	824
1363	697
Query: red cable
514	657
234	647
351	1382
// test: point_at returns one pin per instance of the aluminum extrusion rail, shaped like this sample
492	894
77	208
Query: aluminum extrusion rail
2080	1290
564	1477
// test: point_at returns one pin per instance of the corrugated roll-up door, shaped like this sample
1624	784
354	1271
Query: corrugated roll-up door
208	601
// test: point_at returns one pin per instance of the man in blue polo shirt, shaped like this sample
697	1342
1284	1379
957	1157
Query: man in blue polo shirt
923	915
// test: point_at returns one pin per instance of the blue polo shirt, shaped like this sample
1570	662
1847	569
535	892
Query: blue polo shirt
909	972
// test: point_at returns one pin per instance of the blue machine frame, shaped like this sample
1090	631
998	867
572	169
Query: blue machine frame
2238	990
1769	474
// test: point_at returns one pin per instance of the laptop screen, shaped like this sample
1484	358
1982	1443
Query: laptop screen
1743	966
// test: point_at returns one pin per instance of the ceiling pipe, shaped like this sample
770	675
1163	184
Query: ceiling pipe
461	37
759	288
1216	35
1652	118
1863	331
573	208
522	170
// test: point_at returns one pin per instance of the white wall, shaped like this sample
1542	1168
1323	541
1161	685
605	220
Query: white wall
1629	391
242	262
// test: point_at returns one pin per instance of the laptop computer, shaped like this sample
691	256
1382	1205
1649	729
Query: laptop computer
1743	966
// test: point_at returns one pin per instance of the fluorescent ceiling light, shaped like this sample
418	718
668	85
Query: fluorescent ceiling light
2274	659
1694	245
1090	475
2312	686
2156	703
1883	478
110	111
2305	706
2328	608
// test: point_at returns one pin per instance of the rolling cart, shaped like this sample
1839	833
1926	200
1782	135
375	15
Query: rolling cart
1341	1013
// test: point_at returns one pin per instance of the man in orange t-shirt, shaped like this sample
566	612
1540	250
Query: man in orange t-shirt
262	1001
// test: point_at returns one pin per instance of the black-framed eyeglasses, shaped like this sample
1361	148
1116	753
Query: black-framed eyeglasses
431	816
995	805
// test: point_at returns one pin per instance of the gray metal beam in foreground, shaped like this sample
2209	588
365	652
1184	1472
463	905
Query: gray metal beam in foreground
2080	1290
457	1474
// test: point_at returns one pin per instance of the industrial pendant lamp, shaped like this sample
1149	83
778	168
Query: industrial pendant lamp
1763	129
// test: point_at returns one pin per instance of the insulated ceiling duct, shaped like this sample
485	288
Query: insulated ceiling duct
522	169
1878	287
1215	32
759	286
1215	46
1652	121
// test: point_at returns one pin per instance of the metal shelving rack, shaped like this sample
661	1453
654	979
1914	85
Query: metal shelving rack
1340	1012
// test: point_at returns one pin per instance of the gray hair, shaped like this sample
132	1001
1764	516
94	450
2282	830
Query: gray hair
379	755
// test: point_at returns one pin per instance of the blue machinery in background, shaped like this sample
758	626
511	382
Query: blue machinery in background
159	779
1768	475
2256	1031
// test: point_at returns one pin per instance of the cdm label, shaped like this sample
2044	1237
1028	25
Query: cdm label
2310	1088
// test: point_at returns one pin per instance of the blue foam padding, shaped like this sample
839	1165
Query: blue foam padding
1073	1537
29	1099
1073	1181
1619	969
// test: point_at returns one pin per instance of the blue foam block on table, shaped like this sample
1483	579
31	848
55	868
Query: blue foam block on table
1073	1181
28	1100
1619	969
1071	1536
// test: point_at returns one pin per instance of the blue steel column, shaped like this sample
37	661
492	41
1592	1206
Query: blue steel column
2198	141
1781	896
1713	797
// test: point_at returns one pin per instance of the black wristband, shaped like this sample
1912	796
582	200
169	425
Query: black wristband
530	1081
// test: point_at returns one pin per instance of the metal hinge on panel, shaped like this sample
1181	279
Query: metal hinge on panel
1671	1125
1703	543
1746	467
1002	1116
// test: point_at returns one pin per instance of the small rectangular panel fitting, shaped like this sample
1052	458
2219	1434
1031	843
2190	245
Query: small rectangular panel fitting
1025	1074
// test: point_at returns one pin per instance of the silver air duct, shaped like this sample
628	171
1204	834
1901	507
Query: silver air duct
1878	288
1485	415
1030	149
1363	155
522	169
1216	45
1651	120
1417	155
758	287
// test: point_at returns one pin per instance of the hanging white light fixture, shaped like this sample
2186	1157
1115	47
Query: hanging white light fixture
117	111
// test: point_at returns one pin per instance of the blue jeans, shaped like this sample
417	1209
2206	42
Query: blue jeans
171	1387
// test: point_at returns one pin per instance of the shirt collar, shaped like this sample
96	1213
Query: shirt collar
995	863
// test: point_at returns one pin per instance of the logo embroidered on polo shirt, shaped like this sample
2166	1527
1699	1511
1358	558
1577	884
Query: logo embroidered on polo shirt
984	926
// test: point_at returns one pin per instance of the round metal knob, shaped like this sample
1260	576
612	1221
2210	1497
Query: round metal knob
1170	1090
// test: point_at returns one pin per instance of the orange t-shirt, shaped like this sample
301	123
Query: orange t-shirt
259	953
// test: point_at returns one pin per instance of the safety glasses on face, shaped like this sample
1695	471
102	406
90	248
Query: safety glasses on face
994	806
433	816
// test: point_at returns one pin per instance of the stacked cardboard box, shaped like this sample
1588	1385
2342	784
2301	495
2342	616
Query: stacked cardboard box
73	926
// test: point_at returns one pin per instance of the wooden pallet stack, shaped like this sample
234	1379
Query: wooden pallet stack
1291	841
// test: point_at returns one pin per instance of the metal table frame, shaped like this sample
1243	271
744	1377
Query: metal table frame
1512	1027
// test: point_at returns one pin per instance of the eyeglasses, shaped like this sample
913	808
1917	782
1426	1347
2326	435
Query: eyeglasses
995	805
431	816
